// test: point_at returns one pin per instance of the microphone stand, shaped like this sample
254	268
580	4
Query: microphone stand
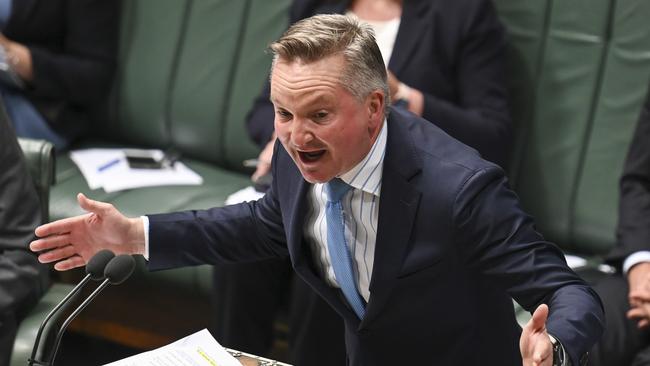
32	359
74	314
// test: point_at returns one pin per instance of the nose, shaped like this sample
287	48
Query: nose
301	134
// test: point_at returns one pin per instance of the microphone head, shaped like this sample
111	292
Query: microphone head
96	265
119	269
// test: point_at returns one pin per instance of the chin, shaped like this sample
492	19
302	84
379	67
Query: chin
314	177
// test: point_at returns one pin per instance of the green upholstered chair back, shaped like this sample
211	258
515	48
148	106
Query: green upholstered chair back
579	72
39	155
189	71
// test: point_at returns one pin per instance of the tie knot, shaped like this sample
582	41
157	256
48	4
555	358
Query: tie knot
336	189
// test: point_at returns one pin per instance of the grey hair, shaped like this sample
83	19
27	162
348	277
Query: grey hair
320	36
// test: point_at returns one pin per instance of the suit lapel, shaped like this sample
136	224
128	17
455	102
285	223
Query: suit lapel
398	206
414	19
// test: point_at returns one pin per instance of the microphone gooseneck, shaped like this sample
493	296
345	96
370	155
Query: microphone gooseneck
118	270
95	271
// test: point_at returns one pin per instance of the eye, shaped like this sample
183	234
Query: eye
283	115
320	115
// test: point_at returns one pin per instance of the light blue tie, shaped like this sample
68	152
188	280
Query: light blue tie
337	247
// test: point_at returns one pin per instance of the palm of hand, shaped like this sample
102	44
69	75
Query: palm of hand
95	233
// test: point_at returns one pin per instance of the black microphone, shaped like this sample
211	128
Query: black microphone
117	271
94	271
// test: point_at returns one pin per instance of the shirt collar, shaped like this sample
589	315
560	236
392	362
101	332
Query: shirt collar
366	175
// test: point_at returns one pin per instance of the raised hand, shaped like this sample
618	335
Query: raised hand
639	294
264	160
73	241
535	344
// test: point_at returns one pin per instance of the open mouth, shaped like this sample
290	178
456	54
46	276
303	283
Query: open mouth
310	156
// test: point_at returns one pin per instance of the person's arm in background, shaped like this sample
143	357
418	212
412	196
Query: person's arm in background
634	219
480	116
83	69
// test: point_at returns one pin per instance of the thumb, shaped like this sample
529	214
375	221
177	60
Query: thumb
538	322
93	206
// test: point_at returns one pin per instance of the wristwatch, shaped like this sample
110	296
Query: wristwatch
559	355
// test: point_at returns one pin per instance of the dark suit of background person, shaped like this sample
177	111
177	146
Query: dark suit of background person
73	45
454	53
623	343
22	278
453	246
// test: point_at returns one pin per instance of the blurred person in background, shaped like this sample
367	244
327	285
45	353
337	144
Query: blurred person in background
626	294
22	279
58	57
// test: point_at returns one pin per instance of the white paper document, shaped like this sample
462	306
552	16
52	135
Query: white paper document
198	349
109	169
244	195
575	262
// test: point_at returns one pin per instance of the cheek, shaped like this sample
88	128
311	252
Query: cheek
281	131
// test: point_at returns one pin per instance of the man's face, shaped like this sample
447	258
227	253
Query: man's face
324	128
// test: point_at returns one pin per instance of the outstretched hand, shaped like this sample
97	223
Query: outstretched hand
535	344
73	241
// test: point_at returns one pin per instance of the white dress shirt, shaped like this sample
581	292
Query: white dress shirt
385	34
361	212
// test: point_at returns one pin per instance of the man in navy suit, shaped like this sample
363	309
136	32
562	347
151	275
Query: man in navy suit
421	252
445	61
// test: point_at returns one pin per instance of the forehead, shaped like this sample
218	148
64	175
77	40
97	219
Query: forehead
293	79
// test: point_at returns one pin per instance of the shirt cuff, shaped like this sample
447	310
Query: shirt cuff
145	225
634	259
403	92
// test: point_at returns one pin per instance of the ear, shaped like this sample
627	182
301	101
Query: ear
375	105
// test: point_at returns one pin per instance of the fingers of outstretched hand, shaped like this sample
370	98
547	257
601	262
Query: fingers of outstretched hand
89	205
58	227
51	242
57	254
538	322
639	296
640	313
70	263
535	343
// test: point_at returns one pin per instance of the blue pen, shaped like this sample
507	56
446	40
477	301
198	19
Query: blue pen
108	165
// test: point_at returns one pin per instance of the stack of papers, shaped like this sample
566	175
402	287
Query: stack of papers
109	169
198	349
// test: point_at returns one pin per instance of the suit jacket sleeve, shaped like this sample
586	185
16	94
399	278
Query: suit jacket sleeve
22	278
502	243
479	116
246	232
634	207
81	71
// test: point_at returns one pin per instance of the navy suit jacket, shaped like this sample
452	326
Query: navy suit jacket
453	246
454	52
